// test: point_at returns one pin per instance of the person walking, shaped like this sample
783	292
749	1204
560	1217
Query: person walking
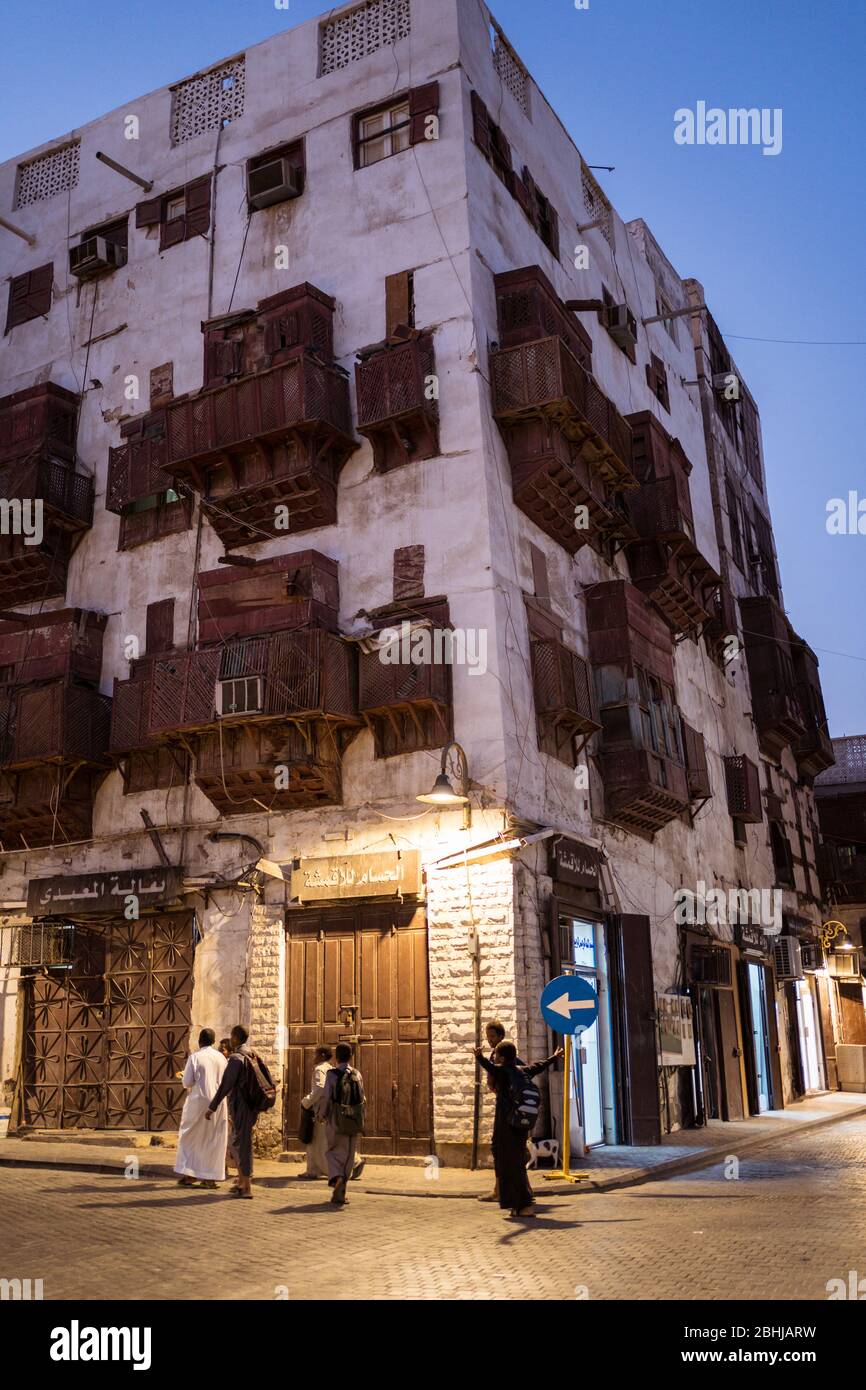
248	1086
317	1165
201	1149
343	1108
512	1124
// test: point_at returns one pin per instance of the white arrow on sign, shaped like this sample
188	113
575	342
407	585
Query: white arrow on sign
565	1007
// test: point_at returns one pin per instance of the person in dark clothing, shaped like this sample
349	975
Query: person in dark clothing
495	1034
510	1154
243	1119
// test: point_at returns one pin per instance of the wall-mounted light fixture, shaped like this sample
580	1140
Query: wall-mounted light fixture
443	793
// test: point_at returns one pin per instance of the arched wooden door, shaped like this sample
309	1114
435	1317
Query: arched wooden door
361	974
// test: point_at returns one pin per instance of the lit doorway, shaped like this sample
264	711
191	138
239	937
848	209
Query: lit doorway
592	1078
758	1002
807	1029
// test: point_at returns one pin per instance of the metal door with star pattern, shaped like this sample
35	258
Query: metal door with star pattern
104	1041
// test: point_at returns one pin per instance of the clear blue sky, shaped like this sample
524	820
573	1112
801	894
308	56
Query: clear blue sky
777	242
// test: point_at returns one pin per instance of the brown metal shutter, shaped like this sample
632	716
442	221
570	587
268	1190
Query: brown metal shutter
198	207
481	125
423	102
636	1029
160	626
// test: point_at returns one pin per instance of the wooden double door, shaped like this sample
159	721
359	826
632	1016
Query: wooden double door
103	1040
360	974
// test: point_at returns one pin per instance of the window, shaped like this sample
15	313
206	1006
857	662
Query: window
29	295
382	134
657	381
496	150
361	31
116	232
180	215
734	527
152	518
55	172
159	629
411	118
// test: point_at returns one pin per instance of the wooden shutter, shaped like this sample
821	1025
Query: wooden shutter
159	633
636	1026
30	295
423	102
408	573
540	580
172	233
729	1046
522	188
481	125
198	207
398	302
148	213
553	220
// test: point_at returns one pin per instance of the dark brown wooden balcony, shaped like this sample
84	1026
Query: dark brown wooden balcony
32	573
58	721
406	706
528	308
674	576
284	592
553	482
277	439
244	770
393	383
303	675
564	704
136	469
842	869
722	625
66	496
743	783
543	378
52	646
47	805
814	751
39	420
767	639
643	790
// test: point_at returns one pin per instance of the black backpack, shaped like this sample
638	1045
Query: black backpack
259	1091
525	1101
349	1109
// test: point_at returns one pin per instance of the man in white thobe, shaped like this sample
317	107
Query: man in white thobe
317	1166
201	1147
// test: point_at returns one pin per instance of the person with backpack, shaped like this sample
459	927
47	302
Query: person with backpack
343	1108
518	1101
247	1084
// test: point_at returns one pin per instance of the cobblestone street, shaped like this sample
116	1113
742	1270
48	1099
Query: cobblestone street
793	1219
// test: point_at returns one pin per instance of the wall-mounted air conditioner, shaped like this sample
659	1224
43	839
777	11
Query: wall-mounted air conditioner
274	182
95	256
844	965
621	324
787	958
240	695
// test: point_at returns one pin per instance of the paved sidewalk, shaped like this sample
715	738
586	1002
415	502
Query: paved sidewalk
607	1169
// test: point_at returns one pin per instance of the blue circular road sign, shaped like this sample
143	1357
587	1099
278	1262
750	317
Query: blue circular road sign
569	1004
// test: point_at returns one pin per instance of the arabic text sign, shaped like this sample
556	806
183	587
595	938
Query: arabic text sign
73	894
386	875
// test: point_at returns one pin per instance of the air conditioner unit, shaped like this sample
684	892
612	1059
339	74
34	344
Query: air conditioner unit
787	958
812	956
240	695
726	385
844	965
274	182
95	256
621	324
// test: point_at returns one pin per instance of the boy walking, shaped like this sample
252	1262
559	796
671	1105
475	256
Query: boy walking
343	1108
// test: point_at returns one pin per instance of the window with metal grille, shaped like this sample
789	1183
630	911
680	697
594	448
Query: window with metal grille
37	944
51	173
361	31
382	133
242	695
210	100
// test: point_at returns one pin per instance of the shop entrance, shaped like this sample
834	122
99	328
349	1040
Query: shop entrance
104	1038
807	1030
760	1038
360	974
